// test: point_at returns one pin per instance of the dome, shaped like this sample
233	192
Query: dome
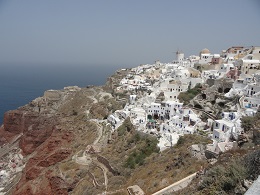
204	51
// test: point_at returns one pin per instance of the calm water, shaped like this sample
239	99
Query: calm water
21	84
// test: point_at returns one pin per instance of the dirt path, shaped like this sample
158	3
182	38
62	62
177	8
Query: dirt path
87	159
177	185
105	170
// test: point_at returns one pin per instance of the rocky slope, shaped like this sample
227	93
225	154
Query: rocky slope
69	148
52	132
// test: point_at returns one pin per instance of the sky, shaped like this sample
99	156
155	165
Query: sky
121	33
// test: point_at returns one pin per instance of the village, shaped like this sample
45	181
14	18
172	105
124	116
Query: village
154	107
206	94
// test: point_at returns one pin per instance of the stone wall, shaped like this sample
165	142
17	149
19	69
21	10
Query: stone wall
52	95
105	162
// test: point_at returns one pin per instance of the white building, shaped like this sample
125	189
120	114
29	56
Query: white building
225	68
222	130
113	120
132	99
174	88
248	65
138	116
179	56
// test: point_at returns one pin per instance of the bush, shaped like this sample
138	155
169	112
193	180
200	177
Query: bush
134	139
126	126
252	164
224	178
247	123
121	130
185	97
147	146
180	141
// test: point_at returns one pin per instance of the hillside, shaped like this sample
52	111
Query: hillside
66	146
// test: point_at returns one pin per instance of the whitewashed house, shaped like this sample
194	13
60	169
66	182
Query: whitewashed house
222	130
113	120
174	88
138	116
132	99
252	88
248	65
251	104
155	110
225	68
205	56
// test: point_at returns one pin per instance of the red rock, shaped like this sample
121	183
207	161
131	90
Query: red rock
55	158
58	185
37	171
47	146
32	173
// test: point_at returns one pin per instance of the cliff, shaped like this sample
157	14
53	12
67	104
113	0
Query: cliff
68	147
51	131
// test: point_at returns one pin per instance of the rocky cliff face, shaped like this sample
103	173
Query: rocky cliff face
33	128
41	175
45	130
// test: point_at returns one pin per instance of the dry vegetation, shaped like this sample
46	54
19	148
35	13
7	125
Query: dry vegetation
229	175
157	170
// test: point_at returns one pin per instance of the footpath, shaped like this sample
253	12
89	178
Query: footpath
176	186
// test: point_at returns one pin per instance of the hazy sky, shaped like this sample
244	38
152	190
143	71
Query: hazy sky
122	33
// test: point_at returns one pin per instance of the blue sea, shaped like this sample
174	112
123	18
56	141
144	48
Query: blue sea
20	84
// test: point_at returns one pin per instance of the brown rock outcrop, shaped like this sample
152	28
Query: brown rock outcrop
40	175
35	128
58	185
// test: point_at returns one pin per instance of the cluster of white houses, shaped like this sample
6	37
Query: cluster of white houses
160	112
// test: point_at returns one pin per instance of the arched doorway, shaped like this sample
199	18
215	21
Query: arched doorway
156	116
221	104
198	106
220	90
226	90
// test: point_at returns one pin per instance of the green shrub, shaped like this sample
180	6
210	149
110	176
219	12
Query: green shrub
126	126
185	97
180	141
247	122
224	178
121	130
252	164
146	146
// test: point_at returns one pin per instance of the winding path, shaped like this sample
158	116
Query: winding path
87	159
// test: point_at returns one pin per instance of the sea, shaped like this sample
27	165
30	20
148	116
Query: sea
20	84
